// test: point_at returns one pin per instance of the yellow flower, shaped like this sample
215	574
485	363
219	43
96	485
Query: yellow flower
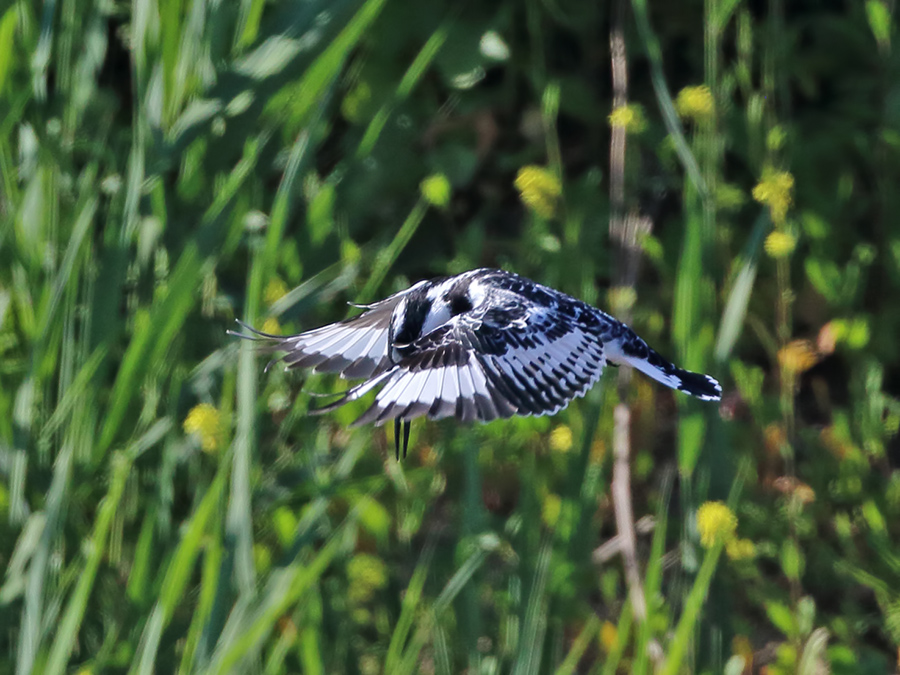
805	494
561	439
775	438
716	523
695	103
608	636
539	189
629	117
205	422
780	244
276	289
551	509
622	299
798	356
795	488
271	326
436	190
366	574
776	190
740	549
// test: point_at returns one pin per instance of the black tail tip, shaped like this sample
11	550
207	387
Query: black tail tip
704	387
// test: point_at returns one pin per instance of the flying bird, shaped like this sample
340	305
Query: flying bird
481	345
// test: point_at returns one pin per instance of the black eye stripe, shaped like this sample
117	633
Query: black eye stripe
459	303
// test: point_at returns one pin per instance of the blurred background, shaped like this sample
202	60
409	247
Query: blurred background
722	174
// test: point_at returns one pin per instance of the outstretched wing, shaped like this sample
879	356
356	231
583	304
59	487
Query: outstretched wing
355	348
522	359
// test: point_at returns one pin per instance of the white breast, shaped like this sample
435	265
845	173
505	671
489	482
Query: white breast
438	315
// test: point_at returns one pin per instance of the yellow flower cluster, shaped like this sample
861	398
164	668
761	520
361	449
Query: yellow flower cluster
276	289
795	488
539	189
561	439
695	103
366	574
716	523
271	326
775	190
629	117
780	244
740	549
609	634
798	356
205	422
436	190
775	438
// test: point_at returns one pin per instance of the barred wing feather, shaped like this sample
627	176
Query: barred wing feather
484	367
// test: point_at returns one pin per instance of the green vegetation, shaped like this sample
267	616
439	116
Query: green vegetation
169	165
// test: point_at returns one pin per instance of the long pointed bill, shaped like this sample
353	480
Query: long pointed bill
406	427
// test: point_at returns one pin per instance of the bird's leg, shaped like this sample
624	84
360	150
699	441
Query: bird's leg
397	424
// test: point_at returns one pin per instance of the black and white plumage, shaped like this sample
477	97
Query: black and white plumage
479	346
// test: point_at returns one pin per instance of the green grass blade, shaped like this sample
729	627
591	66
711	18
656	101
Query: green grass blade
667	107
244	636
457	582
579	646
31	636
732	323
682	640
623	635
67	631
386	258
653	578
326	67
535	624
411	78
408	608
178	573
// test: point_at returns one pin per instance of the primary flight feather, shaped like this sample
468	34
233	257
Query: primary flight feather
476	346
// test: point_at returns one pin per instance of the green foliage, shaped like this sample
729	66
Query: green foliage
167	166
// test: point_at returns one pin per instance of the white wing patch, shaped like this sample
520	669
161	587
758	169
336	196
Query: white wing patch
355	348
538	379
460	390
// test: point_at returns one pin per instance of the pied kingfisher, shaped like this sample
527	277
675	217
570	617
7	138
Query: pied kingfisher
476	346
